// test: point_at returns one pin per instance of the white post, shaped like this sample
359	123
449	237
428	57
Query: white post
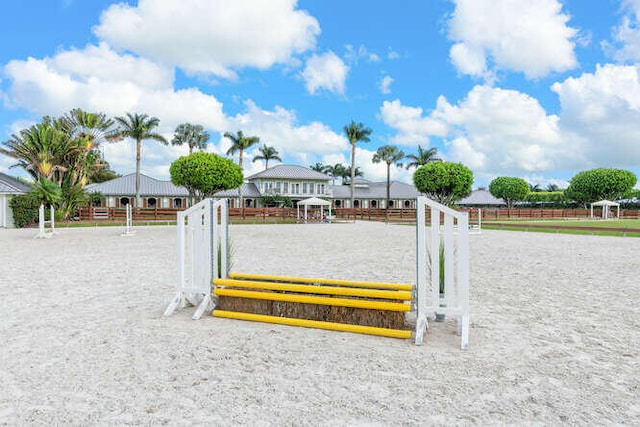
52	225
420	291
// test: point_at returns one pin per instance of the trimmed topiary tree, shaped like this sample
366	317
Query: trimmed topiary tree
510	189
444	182
598	184
204	174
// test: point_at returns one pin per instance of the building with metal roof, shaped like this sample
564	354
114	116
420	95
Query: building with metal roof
9	188
481	198
367	194
121	191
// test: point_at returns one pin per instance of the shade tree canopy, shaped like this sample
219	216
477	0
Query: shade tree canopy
598	184
444	182
204	174
510	189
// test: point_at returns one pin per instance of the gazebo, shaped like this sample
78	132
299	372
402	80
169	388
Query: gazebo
606	208
314	201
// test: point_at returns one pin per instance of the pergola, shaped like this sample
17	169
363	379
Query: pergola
606	208
313	201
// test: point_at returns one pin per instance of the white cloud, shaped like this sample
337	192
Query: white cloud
98	79
305	144
600	112
515	35
385	85
325	71
353	55
413	129
491	131
626	35
210	36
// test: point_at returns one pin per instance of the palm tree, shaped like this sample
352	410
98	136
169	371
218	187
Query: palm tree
193	135
139	127
239	143
318	167
423	157
391	156
346	174
552	187
356	132
266	154
41	150
336	171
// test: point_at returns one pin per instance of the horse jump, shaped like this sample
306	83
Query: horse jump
363	307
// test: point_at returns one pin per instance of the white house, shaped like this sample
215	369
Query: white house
9	187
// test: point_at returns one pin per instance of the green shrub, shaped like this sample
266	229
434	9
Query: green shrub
25	209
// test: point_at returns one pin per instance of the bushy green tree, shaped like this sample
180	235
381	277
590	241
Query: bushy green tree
444	182
598	184
204	174
510	189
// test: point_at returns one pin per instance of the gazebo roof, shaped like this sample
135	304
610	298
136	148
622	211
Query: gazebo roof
314	201
605	203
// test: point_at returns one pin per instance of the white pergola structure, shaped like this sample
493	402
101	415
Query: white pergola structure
606	208
313	201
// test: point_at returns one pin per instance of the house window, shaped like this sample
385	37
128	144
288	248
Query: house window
356	203
295	188
374	204
390	203
304	188
151	202
268	187
407	203
285	186
320	188
311	188
338	203
177	203
278	187
124	201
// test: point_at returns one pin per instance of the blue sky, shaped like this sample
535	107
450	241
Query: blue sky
537	89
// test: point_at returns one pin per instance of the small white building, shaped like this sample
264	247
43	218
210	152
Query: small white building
9	187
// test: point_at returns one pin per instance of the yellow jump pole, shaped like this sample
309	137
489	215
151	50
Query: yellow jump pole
315	289
369	330
337	282
308	299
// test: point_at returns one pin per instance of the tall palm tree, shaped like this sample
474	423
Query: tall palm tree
423	157
391	156
193	135
266	154
239	143
356	132
139	127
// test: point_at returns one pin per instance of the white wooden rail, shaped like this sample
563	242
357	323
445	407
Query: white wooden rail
454	235
202	240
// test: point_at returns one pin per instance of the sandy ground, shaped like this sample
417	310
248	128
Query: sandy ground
555	334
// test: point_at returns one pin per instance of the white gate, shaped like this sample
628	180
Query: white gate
450	229
203	232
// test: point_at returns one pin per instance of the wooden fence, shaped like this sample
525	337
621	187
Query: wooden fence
90	213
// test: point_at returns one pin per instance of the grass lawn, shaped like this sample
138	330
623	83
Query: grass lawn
618	223
570	226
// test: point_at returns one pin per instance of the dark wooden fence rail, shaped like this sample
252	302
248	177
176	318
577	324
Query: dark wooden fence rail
90	213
